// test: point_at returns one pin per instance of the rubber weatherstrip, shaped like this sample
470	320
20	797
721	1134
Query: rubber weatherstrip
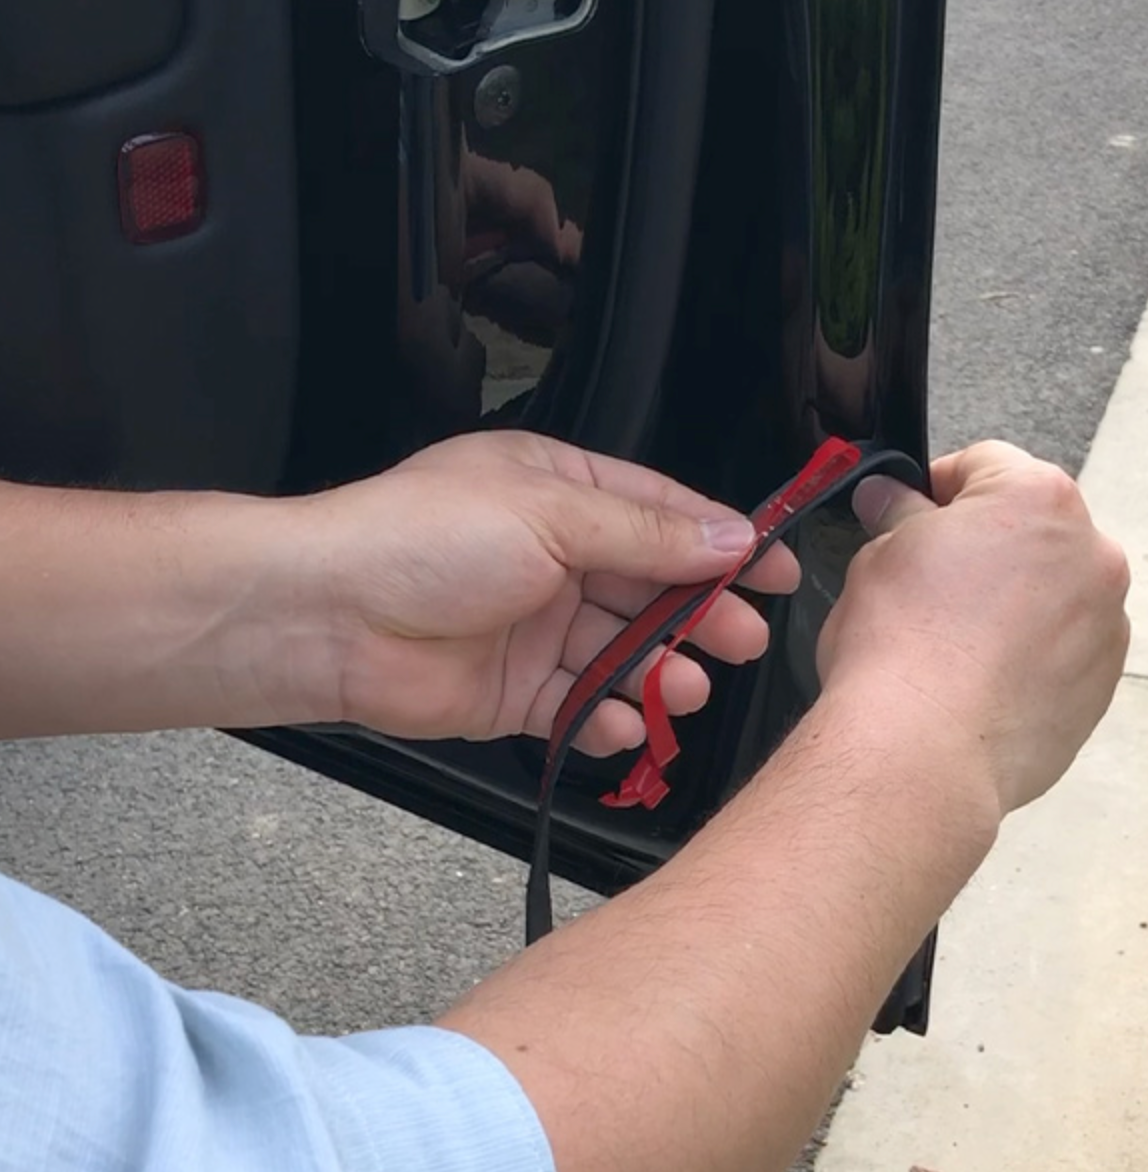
835	466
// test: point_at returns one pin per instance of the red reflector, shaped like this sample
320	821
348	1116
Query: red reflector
162	187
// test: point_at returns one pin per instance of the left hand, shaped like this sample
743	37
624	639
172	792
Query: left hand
466	588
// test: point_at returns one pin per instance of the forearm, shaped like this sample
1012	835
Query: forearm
704	1018
126	611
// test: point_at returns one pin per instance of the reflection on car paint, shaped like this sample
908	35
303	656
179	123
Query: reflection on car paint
491	223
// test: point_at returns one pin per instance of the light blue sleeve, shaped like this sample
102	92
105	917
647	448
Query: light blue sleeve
106	1067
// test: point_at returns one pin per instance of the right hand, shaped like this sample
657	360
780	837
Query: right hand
998	612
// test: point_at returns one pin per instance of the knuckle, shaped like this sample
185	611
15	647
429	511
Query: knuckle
862	562
991	455
1051	488
1115	572
652	526
991	451
863	565
664	499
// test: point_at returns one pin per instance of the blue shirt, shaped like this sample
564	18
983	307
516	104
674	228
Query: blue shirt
106	1067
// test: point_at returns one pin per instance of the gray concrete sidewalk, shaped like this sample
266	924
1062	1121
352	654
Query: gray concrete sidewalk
1038	1058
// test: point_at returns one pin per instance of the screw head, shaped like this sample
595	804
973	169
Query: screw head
497	95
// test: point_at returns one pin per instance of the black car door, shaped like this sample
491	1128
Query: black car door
270	245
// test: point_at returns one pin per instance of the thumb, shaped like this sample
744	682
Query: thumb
882	504
597	530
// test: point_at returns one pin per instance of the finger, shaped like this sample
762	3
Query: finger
588	529
516	195
611	728
954	473
623	478
569	250
882	504
651	498
645	486
685	685
733	630
777	572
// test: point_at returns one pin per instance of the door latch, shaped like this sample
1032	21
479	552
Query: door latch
446	36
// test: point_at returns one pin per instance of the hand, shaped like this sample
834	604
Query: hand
520	204
467	587
996	618
516	240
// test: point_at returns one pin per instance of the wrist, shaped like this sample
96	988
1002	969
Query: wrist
911	751
263	592
880	796
141	611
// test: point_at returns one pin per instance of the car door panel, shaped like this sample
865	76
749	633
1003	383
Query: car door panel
159	364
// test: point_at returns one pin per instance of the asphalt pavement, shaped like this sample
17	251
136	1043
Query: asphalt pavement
227	868
1042	242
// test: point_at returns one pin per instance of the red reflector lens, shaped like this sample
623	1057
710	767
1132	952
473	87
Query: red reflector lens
162	187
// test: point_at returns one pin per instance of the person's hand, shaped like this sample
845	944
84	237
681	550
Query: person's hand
519	206
997	617
517	245
466	588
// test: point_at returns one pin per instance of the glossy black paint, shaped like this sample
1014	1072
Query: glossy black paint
799	308
725	255
794	305
783	298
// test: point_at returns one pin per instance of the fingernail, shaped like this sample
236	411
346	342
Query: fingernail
871	501
728	536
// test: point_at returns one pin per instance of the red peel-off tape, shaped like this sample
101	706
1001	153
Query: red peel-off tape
645	784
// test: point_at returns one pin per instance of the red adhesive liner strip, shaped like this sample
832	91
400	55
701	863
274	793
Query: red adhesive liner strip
668	621
645	784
